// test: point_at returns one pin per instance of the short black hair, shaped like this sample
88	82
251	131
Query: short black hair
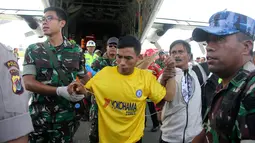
242	37
62	15
130	41
184	43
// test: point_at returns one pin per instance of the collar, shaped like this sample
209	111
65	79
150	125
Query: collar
105	56
241	75
66	42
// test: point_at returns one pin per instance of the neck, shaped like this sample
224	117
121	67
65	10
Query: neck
110	56
227	79
186	67
91	53
56	40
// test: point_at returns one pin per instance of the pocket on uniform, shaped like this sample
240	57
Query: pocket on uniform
70	61
42	64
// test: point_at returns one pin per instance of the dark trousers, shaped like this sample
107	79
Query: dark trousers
153	111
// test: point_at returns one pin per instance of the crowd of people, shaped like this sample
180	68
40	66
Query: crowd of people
187	103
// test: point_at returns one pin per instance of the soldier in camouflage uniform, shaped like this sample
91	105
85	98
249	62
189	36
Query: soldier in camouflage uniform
52	108
160	60
231	116
108	59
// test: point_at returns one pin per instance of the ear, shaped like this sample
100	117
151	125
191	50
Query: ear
62	23
140	57
189	57
248	45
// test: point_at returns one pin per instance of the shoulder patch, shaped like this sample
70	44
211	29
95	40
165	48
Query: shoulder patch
17	86
11	63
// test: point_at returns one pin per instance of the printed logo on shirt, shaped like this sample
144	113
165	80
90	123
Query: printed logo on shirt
129	107
17	87
107	102
139	93
11	63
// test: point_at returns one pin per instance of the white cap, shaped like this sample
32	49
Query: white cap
91	43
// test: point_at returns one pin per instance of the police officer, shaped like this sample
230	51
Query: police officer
231	116
90	56
52	108
15	121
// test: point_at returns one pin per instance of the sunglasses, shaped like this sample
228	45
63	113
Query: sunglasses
112	46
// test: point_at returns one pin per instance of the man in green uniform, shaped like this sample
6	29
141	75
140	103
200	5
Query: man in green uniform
108	59
231	116
160	60
52	109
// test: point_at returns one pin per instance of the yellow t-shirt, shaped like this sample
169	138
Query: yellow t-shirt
121	102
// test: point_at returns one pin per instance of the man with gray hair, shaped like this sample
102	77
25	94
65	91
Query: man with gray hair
15	121
231	115
181	118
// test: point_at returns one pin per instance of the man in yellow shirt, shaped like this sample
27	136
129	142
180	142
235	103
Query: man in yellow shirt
121	93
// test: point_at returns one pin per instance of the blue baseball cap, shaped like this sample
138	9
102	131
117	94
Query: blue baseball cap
225	23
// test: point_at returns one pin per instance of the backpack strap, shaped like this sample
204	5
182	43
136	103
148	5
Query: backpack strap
204	75
55	63
201	74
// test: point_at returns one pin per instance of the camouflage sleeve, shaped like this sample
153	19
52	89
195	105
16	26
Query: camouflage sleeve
29	67
96	65
247	112
82	70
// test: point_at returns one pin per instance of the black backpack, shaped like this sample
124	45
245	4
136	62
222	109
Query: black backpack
208	82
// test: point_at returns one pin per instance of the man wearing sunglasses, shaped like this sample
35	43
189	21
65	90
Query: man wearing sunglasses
108	59
52	108
231	115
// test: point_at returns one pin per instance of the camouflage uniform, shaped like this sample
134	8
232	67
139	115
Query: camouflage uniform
160	63
97	65
53	116
232	113
231	116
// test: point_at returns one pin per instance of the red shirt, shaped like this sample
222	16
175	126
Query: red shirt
156	70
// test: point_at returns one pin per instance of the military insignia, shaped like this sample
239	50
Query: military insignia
11	63
17	87
139	93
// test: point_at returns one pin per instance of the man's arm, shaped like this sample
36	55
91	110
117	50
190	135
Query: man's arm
82	72
23	139
199	138
247	127
170	89
33	85
29	73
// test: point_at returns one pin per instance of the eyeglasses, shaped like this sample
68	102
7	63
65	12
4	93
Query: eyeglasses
49	18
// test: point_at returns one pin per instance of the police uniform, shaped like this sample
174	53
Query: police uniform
90	58
15	120
53	116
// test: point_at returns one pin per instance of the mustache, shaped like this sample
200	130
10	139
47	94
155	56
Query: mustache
178	60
